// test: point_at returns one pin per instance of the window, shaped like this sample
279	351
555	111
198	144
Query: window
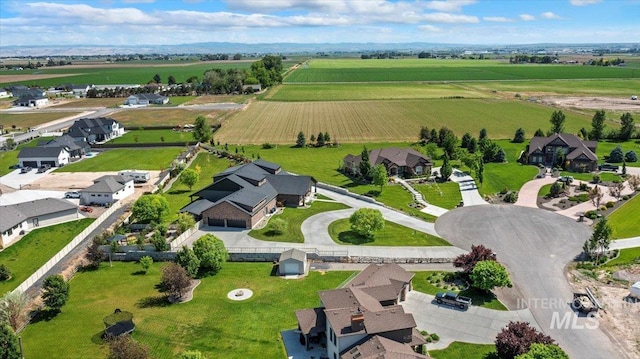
419	170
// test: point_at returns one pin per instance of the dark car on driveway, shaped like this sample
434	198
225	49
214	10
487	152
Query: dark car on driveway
43	168
25	169
453	299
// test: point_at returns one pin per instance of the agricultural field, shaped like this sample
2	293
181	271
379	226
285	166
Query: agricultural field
210	323
356	70
153	136
155	159
30	118
393	120
163	117
595	87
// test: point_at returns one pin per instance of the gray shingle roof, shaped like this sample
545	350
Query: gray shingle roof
197	207
311	321
290	184
149	96
106	184
293	253
17	213
30	152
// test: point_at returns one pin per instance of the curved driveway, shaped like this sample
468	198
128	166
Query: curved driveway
535	246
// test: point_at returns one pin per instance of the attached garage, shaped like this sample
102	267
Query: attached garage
215	222
50	163
292	262
237	223
30	164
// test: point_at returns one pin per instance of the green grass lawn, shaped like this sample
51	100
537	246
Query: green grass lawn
154	159
154	136
446	195
544	190
210	323
624	220
294	218
626	257
394	196
457	350
36	248
588	177
392	234
510	175
478	297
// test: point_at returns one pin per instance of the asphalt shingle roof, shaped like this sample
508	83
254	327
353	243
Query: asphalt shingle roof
30	152
17	213
293	253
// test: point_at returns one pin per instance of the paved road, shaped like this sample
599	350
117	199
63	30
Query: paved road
535	246
468	189
474	325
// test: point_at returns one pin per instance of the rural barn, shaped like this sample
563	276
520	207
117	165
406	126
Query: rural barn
292	262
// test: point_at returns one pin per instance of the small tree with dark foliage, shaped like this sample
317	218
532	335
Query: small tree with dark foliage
301	141
516	339
188	260
8	342
175	281
124	347
55	292
477	254
5	273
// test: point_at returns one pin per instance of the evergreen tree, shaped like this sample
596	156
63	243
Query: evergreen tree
320	139
597	125
301	141
445	170
557	122
365	165
519	136
627	127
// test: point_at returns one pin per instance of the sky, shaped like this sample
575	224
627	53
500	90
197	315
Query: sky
172	22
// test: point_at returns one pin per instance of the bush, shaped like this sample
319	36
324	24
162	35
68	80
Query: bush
434	337
631	156
596	179
511	197
5	273
268	146
602	208
516	339
616	155
583	186
591	214
625	197
159	242
610	204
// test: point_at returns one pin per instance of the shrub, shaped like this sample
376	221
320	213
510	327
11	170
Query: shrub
625	197
616	155
267	146
596	179
631	156
511	197
159	242
610	204
434	337
583	186
591	214
5	273
602	208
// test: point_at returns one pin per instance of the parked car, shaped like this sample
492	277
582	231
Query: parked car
634	97
25	169
608	167
453	299
86	209
72	194
565	179
43	168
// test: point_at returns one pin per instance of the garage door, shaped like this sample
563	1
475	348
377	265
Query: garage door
30	163
50	163
216	222
291	268
236	223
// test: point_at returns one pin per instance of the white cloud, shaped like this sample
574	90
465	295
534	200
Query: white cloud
549	16
583	2
527	17
449	18
448	5
138	1
429	28
497	19
279	5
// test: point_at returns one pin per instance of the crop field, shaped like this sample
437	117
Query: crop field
155	159
609	87
393	120
163	117
360	91
30	119
354	70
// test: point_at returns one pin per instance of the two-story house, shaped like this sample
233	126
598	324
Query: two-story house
92	130
579	155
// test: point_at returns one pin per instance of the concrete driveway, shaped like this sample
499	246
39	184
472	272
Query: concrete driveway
468	189
474	325
16	180
535	246
528	194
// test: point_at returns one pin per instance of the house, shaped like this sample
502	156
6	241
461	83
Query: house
37	156
106	190
76	149
4	93
364	317
402	162
21	217
92	130
18	91
292	262
31	101
243	195
80	90
579	155
145	99
252	88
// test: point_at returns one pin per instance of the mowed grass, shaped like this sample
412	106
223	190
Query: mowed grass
163	117
364	91
391	235
393	196
446	195
458	350
155	159
294	218
355	70
626	257
30	119
154	136
510	175
210	323
36	248
625	221
387	121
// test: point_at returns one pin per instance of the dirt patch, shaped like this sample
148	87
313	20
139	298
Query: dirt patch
26	77
594	103
620	316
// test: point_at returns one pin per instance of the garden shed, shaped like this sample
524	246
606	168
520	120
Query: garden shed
292	262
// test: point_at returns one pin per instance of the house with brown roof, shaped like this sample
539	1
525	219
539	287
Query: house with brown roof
402	162
365	317
580	156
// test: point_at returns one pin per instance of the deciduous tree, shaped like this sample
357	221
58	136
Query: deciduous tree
150	208
380	177
615	190
489	274
8	343
597	125
477	254
124	347
627	127
517	338
175	281
55	292
544	351
188	260
201	130
595	195
278	226
601	237
425	135
13	309
366	221
146	263
211	252
189	178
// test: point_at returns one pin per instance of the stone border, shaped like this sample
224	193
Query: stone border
189	295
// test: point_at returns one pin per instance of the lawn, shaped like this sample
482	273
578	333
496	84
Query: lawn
626	257
30	119
588	177
170	116
391	235
624	220
294	218
457	350
155	159
36	248
210	323
154	136
371	121
394	196
446	195
478	297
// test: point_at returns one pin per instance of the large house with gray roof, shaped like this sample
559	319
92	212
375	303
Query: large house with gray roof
243	195
92	130
402	162
363	319
107	189
21	217
145	99
580	156
55	152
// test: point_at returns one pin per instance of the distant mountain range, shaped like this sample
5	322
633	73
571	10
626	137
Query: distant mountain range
278	48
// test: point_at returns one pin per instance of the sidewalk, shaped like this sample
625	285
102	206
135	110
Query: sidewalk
632	242
417	196
468	189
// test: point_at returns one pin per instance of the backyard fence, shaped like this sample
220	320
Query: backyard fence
24	286
177	243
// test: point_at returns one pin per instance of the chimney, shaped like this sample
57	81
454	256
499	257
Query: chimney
357	320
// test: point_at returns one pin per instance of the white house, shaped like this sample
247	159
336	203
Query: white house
31	101
20	217
38	156
145	99
81	90
106	190
92	130
4	93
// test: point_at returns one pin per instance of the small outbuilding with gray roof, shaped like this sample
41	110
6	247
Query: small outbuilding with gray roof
292	262
106	190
